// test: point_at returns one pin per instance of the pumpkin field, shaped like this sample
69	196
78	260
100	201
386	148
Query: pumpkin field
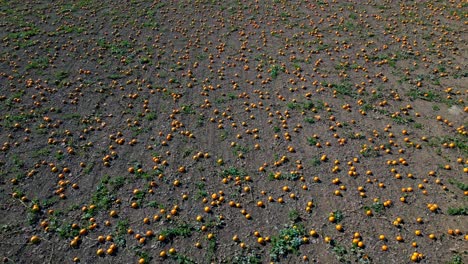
237	131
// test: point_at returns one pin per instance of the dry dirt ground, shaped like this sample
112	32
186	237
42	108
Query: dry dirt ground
233	131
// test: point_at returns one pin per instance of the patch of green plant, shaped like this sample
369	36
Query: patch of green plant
6	228
120	231
212	248
32	217
17	161
18	191
348	25
284	176
201	57
308	105
154	204
293	105
321	47
460	75
402	120
117	182
354	255
403	79
88	168
66	231
139	197
70	116
188	109
290	176
359	255
138	130
220	100
344	88
251	257
177	67
271	176
338	214
312	141
369	152
287	241
457	211
352	135
122	227
275	70
296	66
33	31
380	57
145	60
462	186
309	120
294	216
186	152
200	121
119	48
182	229
143	254
182	259
148	176
240	149
223	135
160	5
376	207
70	29
72	207
231	96
201	191
102	197
40	63
232	171
315	161
276	129
456	259
426	95
342	66
367	107
319	104
115	76
215	222
284	14
340	252
59	155
200	185
46	203
418	125
150	116
10	120
460	142
435	80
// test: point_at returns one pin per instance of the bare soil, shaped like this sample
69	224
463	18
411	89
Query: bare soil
151	131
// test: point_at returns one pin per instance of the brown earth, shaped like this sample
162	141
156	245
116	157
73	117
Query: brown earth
205	108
